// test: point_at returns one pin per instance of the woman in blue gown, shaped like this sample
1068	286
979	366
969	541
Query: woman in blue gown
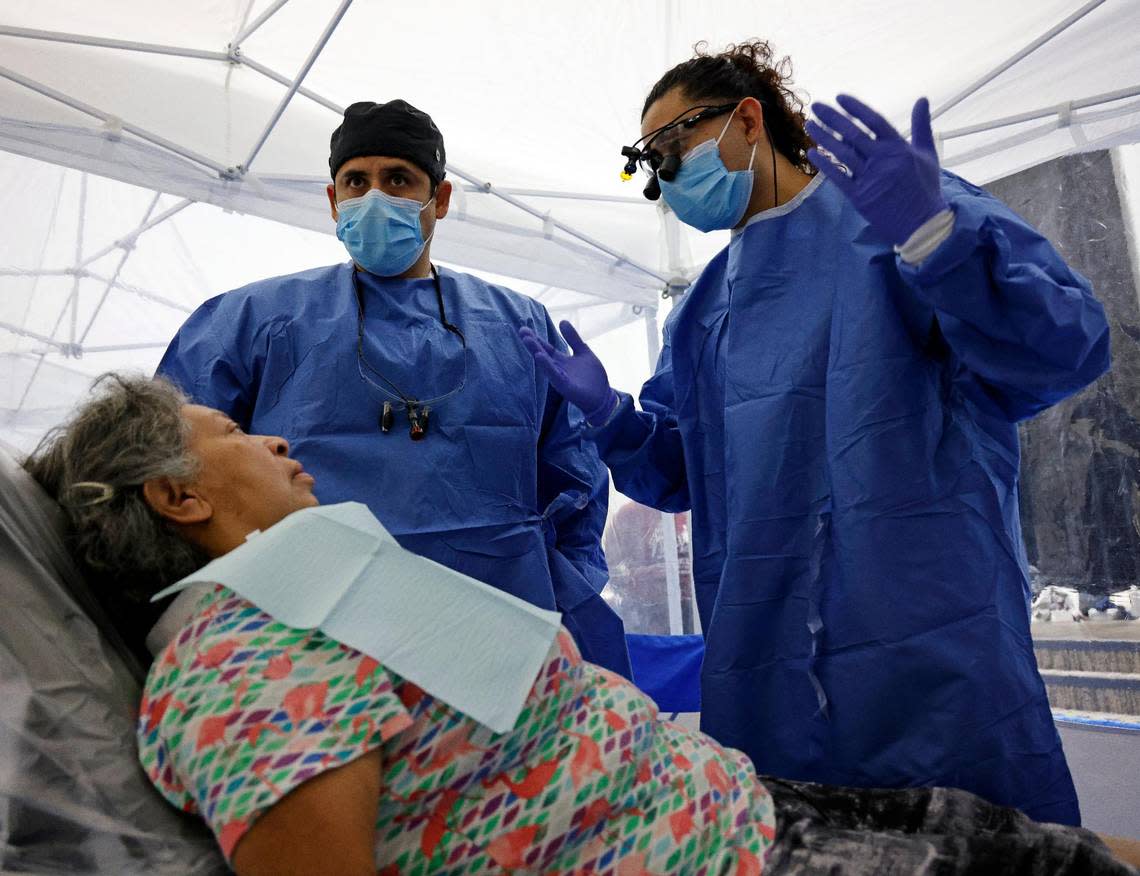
836	402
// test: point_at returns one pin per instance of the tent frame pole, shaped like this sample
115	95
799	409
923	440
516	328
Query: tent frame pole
1043	112
35	336
233	55
100	278
570	196
258	67
256	23
118	348
668	526
479	185
74	300
325	36
140	292
78	39
1020	55
619	258
127	241
76	348
109	119
126	254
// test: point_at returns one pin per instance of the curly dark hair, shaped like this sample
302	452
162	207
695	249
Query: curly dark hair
745	70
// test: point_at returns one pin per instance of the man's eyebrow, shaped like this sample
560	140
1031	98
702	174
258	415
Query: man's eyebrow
400	167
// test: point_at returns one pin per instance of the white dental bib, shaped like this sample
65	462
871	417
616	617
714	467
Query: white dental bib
335	568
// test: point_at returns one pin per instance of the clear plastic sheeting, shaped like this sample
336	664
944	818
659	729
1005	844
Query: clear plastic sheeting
1080	460
637	555
73	798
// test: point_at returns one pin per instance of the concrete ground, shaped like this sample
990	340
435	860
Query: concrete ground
1105	763
1124	631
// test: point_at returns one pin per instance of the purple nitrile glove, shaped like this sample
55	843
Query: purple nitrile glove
581	378
894	184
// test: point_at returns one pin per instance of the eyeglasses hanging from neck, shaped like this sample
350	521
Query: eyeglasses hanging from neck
418	410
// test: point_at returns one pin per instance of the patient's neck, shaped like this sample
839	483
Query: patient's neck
220	535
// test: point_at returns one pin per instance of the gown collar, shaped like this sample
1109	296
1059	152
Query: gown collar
785	208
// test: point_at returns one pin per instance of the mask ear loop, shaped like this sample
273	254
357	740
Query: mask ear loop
752	157
427	240
724	130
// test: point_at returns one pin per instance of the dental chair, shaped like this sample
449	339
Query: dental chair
73	798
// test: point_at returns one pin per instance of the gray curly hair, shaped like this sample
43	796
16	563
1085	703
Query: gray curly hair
95	465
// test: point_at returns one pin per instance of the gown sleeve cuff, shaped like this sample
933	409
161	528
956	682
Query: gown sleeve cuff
941	272
605	412
927	237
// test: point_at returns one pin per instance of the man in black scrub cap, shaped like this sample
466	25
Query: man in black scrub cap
404	386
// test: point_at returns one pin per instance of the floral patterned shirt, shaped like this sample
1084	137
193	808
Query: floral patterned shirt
239	710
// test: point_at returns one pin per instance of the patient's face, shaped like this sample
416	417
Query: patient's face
248	477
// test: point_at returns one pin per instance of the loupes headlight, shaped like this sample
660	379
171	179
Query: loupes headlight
661	166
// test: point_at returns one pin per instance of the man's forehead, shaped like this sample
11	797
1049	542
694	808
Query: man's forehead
373	163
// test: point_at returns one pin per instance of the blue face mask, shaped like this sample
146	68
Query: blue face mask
705	194
382	233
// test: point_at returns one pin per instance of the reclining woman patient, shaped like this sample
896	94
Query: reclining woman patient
306	756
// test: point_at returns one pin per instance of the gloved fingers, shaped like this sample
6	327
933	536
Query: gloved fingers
573	338
553	371
852	134
534	343
921	133
875	123
832	171
836	147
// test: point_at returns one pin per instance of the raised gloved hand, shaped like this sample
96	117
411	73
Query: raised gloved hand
580	378
892	183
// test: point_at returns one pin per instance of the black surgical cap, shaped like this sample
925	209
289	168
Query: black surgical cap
395	129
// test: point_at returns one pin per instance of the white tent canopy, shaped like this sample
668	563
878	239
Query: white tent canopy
128	124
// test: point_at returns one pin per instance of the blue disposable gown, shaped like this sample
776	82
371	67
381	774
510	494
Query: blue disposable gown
504	488
842	426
